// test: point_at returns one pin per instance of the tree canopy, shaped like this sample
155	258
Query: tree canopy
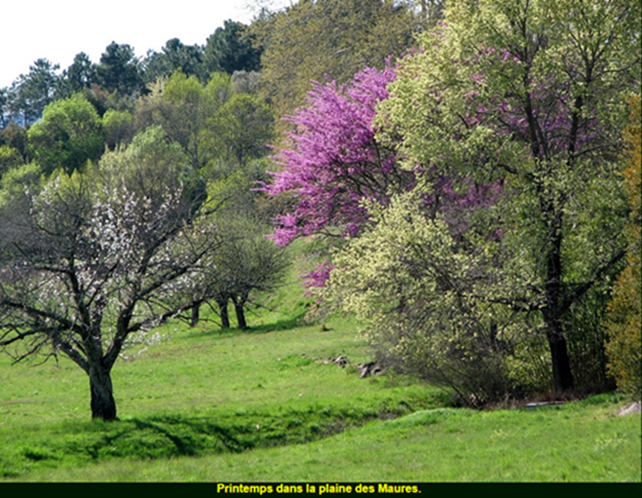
332	162
68	135
229	49
327	40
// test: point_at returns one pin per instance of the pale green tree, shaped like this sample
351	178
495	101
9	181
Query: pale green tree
418	290
241	130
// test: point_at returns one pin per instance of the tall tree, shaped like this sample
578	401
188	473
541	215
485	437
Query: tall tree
241	129
31	93
229	49
119	71
182	112
174	56
530	92
80	75
183	107
96	259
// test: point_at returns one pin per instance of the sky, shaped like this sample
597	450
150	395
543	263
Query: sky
57	30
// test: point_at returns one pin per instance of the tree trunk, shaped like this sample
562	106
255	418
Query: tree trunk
103	405
196	315
562	375
225	317
239	307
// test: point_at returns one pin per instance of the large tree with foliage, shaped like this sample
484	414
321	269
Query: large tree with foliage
91	262
211	122
174	56
529	94
31	92
119	70
80	75
241	130
182	108
229	49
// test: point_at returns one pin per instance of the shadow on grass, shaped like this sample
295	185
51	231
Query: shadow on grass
283	324
174	435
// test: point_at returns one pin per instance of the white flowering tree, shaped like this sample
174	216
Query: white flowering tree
92	262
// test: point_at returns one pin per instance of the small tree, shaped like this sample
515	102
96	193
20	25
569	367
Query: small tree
96	259
246	264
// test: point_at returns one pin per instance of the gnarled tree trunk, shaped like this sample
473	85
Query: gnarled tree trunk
103	405
239	307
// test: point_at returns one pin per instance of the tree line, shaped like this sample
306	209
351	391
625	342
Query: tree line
120	72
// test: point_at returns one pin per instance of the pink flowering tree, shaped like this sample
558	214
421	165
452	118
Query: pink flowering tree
332	162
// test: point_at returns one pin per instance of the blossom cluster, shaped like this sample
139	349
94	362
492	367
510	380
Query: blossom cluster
332	160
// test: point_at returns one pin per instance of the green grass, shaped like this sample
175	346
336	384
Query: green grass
573	443
263	405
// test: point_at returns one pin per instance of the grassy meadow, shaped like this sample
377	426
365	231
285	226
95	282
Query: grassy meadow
265	405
